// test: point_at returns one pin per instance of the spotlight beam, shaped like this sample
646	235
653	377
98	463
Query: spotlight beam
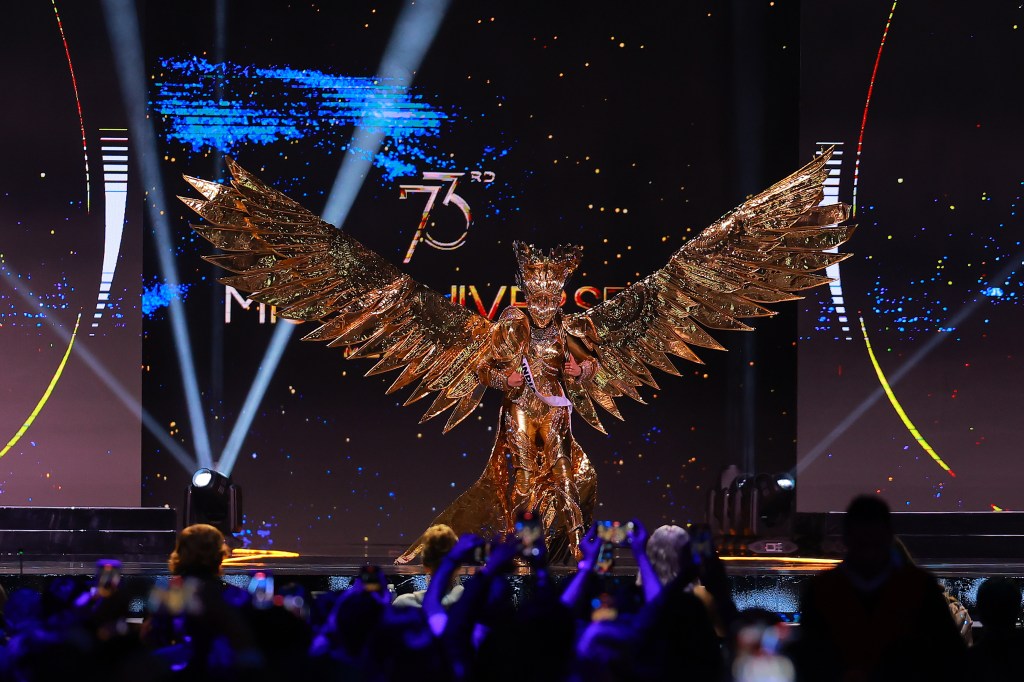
920	354
412	36
123	25
261	381
110	381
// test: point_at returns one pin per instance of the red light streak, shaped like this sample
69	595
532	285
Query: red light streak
867	103
78	103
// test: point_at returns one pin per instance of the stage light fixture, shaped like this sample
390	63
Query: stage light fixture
753	513
202	478
212	498
776	504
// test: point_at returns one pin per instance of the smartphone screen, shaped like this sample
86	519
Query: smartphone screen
108	576
605	557
372	578
613	534
529	531
261	588
481	553
603	607
702	544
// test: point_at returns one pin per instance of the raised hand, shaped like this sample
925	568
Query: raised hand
590	547
572	368
503	555
465	548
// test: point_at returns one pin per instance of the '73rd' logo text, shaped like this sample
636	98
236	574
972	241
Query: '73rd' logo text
449	198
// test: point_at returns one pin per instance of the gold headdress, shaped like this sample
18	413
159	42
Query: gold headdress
545	274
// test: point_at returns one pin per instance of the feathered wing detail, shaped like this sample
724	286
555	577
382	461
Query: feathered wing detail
760	252
283	255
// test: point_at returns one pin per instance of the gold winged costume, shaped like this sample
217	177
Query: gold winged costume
547	364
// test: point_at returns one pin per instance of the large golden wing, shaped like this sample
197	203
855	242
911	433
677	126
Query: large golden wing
285	256
760	252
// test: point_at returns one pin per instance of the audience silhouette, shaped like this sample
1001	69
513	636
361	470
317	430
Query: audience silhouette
996	656
876	616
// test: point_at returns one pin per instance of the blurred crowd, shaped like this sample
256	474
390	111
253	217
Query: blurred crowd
874	616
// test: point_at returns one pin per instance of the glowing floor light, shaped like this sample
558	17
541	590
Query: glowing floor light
242	556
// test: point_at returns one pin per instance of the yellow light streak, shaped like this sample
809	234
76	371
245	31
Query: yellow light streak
899	408
46	393
244	556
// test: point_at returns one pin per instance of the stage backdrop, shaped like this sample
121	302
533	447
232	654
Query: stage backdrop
623	131
70	265
599	125
910	366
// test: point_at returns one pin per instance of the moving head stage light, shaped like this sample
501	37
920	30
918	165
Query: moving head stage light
754	514
213	499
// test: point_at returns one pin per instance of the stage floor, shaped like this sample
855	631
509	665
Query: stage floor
244	561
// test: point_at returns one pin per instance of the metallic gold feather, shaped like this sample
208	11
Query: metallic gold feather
283	255
760	252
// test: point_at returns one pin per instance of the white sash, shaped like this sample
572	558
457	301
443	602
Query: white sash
550	400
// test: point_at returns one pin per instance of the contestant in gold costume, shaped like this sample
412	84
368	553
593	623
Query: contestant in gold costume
535	463
547	364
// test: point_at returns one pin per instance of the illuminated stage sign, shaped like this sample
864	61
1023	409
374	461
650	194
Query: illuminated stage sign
450	197
467	295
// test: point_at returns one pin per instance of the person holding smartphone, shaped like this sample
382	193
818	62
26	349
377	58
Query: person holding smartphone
437	542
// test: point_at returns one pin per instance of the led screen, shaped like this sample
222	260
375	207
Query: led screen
613	129
910	371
